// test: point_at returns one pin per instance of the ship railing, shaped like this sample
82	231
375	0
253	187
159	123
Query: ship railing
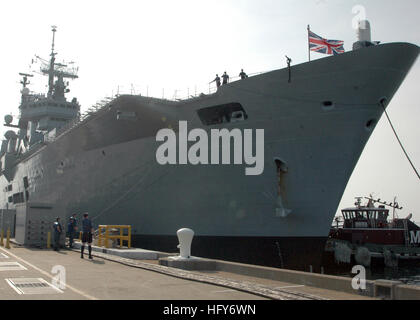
33	149
77	121
184	95
179	95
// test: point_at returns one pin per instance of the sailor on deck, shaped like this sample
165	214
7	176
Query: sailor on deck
225	78
243	75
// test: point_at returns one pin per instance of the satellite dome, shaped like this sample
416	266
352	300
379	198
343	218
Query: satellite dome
8	119
25	91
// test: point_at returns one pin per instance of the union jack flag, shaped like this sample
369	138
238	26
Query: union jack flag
321	45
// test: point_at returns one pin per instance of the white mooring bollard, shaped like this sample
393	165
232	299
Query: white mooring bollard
185	237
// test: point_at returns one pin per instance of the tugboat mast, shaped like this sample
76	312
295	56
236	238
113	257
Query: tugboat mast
51	69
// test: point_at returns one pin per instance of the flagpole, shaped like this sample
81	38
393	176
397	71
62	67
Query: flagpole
309	46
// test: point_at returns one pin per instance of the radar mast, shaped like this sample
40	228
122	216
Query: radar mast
58	70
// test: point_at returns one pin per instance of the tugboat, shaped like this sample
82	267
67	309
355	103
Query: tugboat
366	236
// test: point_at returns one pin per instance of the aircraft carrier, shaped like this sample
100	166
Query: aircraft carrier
317	118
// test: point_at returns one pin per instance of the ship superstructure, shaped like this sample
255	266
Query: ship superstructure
40	115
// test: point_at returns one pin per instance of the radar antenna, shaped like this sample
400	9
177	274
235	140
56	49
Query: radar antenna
54	29
393	205
358	202
24	80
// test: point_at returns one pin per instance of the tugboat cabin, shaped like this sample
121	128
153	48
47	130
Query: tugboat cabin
370	224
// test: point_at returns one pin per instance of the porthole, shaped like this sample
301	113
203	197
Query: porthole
383	101
370	125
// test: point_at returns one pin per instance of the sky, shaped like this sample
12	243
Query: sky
175	48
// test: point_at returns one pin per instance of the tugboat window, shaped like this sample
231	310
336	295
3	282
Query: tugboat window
224	113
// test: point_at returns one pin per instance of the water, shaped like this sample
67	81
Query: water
408	275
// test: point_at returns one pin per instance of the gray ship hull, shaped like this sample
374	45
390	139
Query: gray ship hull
317	124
